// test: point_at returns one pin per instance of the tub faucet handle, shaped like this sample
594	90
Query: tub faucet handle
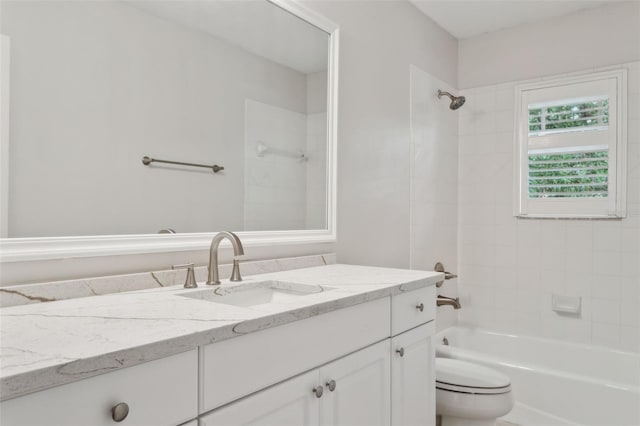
439	267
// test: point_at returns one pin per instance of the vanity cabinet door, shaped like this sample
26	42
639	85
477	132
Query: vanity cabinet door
290	403
357	388
413	377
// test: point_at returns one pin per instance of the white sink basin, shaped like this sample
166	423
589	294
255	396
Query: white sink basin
254	294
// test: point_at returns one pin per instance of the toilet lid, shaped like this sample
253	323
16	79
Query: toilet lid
466	374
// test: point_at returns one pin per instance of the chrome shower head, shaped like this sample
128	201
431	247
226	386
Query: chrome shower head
456	101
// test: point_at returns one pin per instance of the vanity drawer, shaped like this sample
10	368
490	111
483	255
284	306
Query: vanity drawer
161	392
412	308
237	367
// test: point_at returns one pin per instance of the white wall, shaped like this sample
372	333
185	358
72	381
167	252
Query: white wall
509	267
378	43
591	38
98	85
434	183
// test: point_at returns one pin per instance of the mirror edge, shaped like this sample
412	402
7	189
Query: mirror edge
51	248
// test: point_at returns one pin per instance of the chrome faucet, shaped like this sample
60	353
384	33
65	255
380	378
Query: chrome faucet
213	277
444	300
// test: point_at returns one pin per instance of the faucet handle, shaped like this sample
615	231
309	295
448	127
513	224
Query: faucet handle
439	267
190	281
235	272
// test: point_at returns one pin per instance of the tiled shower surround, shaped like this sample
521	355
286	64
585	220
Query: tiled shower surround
434	171
509	267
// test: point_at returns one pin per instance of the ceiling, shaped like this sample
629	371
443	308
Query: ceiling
469	18
258	27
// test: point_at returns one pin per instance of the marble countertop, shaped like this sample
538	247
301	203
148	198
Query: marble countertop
49	344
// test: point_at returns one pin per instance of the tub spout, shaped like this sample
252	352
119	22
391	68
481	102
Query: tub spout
444	301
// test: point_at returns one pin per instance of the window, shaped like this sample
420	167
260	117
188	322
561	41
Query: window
571	136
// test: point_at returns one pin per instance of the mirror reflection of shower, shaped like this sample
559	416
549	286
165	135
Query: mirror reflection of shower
456	101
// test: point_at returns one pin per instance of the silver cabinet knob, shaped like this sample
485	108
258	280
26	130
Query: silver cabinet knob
400	352
420	307
331	385
120	411
318	390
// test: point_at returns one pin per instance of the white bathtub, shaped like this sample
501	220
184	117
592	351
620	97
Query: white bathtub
582	384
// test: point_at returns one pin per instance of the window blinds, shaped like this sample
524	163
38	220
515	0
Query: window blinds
573	172
569	174
571	115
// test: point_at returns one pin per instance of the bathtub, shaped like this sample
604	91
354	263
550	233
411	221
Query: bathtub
571	383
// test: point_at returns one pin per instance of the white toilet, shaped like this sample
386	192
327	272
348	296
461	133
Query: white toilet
469	394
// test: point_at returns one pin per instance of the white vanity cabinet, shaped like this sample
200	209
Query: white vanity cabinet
163	392
391	382
245	364
354	390
369	364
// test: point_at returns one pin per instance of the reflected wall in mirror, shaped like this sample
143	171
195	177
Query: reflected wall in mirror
96	86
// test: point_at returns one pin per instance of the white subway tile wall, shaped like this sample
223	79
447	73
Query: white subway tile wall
509	267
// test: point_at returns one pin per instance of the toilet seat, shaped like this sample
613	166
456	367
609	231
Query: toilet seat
472	390
464	377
